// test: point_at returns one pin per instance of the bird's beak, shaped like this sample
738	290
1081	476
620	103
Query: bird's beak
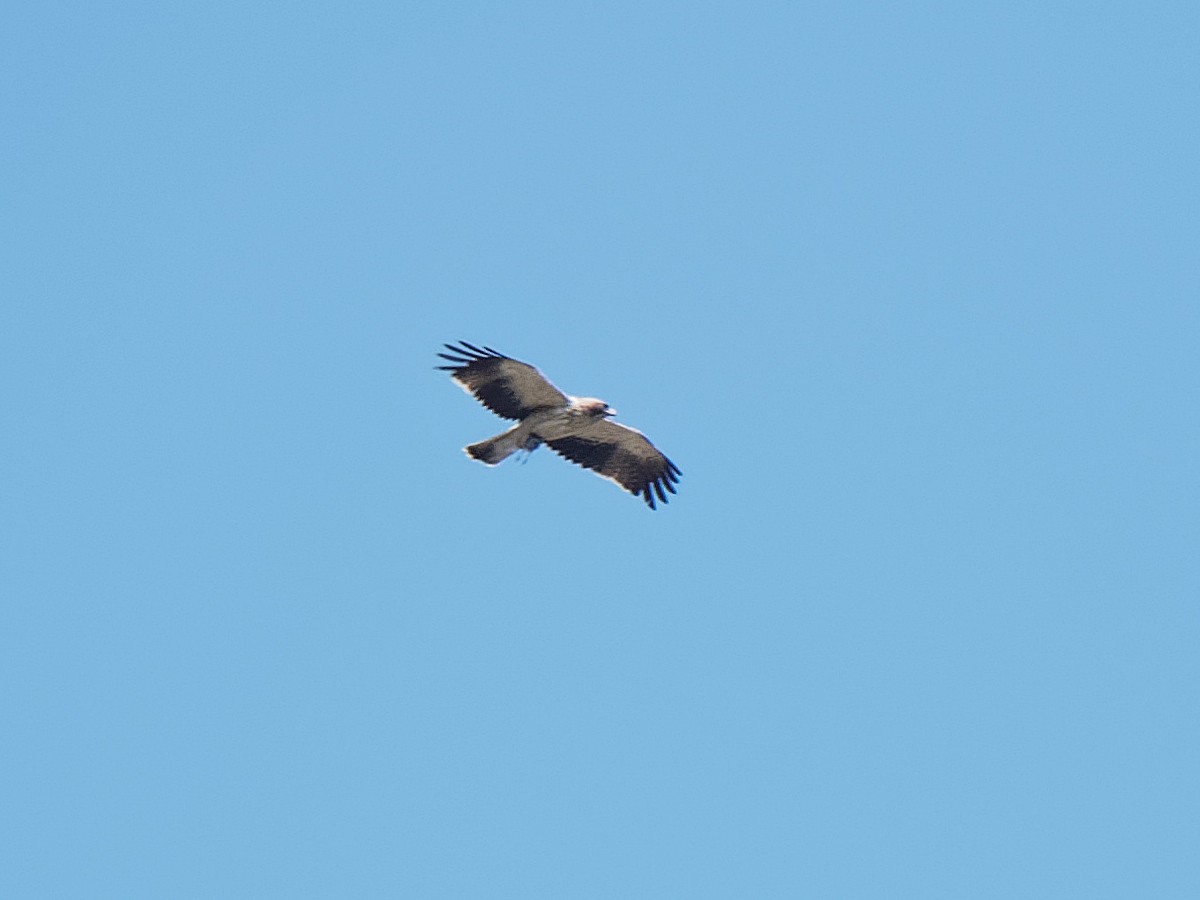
609	411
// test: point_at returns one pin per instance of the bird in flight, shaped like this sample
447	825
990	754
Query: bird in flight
576	428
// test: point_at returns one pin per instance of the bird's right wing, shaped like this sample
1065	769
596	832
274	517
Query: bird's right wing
508	387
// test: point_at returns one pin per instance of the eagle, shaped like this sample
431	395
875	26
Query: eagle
576	428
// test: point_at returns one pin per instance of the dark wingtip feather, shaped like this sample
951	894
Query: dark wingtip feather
476	350
471	353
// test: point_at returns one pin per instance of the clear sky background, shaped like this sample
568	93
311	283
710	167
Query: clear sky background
911	294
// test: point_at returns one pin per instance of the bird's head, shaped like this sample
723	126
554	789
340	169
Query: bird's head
592	407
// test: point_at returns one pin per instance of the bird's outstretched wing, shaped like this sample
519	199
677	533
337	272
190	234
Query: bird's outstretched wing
509	388
622	455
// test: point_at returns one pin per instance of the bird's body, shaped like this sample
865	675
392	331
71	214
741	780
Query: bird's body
540	426
577	428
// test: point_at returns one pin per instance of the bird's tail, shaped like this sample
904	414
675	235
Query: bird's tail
497	449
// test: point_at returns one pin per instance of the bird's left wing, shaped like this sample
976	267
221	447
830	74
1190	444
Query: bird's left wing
622	455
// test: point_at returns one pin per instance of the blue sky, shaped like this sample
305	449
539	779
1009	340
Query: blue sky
908	291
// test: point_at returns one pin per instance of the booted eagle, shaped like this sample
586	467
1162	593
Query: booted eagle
576	428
